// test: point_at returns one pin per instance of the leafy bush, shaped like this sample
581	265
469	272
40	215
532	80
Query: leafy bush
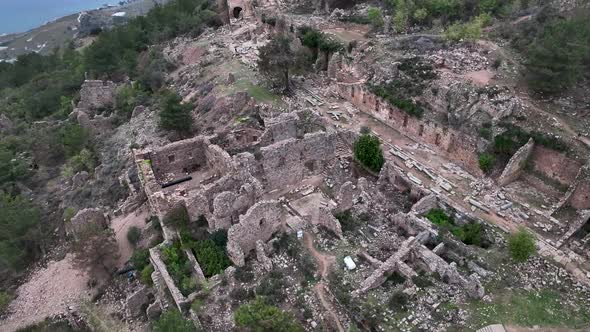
557	58
486	162
468	31
179	268
272	288
172	321
375	17
470	233
398	301
244	274
133	235
73	138
262	317
140	258
146	275
211	257
5	299
391	97
241	294
68	214
173	114
367	150
521	245
20	236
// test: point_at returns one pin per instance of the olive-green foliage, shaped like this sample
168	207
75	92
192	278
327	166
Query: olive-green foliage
521	245
258	316
557	59
514	137
375	16
278	59
12	166
470	233
398	301
20	235
73	138
367	150
468	31
5	299
244	274
84	161
179	268
177	217
133	235
146	275
50	325
289	244
486	162
140	258
128	97
347	221
173	321
272	287
68	214
211	257
173	114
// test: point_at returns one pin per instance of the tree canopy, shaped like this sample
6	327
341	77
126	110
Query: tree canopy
367	150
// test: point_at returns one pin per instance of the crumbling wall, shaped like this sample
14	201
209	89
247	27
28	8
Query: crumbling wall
459	146
95	95
279	128
578	195
261	221
516	163
86	220
555	165
181	156
327	220
286	162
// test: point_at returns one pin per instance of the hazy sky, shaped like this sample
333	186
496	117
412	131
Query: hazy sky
23	15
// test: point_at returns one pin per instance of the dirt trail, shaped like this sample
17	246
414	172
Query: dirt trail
121	226
50	291
324	263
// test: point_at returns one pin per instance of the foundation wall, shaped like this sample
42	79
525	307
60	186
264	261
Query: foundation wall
555	165
460	147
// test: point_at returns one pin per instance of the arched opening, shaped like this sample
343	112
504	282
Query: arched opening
237	11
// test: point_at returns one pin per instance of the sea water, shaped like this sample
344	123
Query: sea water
23	15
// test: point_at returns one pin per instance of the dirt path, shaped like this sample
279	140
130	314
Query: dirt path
50	291
324	263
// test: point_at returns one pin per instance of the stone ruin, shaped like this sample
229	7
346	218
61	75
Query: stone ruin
96	97
87	220
228	190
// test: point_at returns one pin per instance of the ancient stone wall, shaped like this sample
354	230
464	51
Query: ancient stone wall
555	165
261	221
182	156
327	220
279	128
578	195
96	94
459	146
516	163
286	162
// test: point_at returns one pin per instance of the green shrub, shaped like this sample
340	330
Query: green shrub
244	274
69	213
272	288
422	281
5	299
521	245
375	17
396	278
470	233
262	317
140	258
179	268
146	275
73	138
367	150
440	218
177	217
174	115
172	321
486	162
388	93
133	235
468	31
212	258
398	301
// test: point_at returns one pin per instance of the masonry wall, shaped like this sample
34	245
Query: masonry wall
287	162
180	156
459	146
516	163
261	221
555	165
96	94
